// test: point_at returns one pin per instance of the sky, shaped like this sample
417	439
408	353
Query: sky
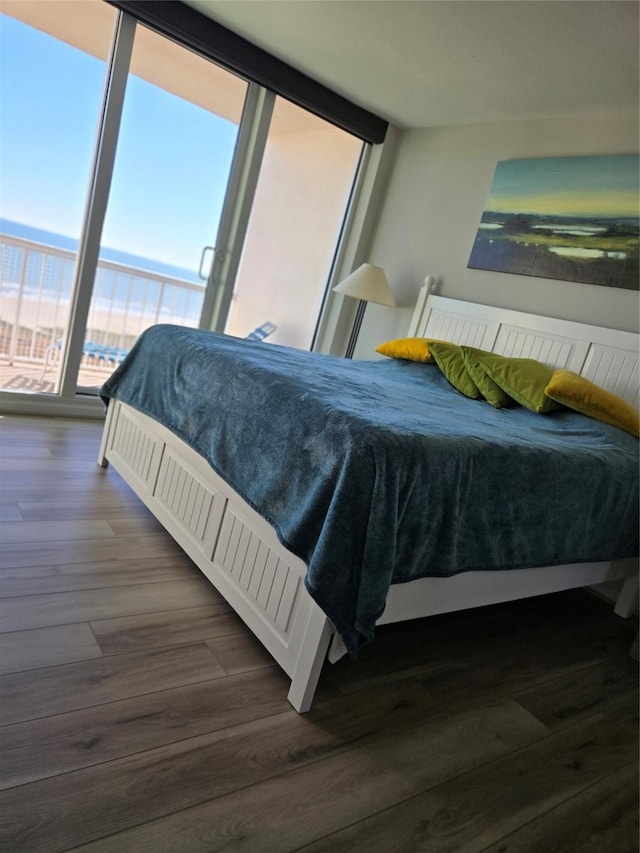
569	186
172	161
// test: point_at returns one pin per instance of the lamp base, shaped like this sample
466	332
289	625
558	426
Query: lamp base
355	331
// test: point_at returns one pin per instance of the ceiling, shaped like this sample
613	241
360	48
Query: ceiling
424	63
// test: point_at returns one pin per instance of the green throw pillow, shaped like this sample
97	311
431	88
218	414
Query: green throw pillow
491	391
523	379
450	360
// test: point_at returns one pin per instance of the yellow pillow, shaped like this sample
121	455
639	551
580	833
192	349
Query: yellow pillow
491	392
450	360
580	394
523	379
411	349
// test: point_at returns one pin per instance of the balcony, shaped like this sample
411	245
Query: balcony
35	299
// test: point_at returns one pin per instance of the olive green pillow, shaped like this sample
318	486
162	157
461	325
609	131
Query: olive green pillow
450	360
410	349
523	379
491	392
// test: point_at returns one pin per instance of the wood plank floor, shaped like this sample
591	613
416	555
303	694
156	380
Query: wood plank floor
138	715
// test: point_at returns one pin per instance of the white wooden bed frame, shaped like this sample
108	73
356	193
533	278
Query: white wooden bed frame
240	554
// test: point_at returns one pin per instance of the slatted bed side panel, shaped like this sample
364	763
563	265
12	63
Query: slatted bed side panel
263	582
267	576
190	500
134	447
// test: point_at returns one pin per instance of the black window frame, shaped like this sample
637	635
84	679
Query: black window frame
180	22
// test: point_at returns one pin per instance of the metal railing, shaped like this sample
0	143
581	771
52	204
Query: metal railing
35	300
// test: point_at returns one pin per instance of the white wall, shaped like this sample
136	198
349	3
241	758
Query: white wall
435	198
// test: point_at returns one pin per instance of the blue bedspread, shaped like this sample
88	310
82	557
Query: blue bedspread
380	472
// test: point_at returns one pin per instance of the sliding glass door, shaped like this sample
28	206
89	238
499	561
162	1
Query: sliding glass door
306	177
177	137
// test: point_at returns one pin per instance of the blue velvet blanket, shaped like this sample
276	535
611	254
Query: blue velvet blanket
380	472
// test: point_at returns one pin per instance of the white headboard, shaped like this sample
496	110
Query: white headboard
608	357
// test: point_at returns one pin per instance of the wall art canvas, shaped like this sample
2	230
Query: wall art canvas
568	218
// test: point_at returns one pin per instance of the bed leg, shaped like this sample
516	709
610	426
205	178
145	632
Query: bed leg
309	664
109	422
627	597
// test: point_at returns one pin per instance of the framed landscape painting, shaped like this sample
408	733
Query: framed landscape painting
568	218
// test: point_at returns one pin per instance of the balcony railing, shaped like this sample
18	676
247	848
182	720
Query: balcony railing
35	301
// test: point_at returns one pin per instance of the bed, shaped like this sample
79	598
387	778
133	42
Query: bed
323	496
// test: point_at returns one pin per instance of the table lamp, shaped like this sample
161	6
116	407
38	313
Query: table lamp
367	284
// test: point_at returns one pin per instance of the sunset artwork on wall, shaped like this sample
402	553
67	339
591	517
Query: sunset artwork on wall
568	218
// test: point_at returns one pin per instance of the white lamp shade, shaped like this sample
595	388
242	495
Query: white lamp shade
369	283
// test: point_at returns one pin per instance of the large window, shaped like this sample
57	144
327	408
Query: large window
121	205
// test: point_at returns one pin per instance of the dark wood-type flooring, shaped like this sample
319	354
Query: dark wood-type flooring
139	715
